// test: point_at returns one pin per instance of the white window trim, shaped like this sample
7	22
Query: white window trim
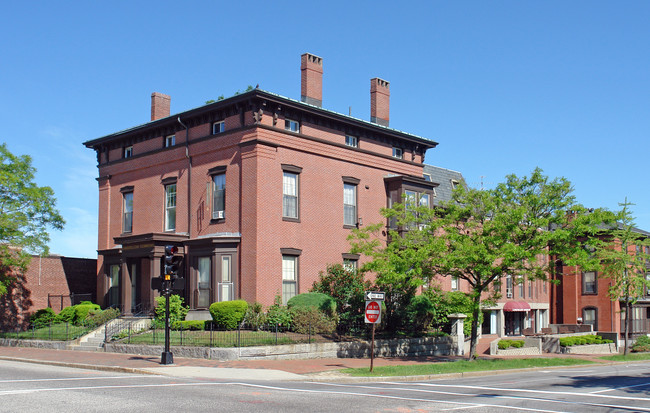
289	122
170	140
351	141
168	227
218	127
128	152
398	153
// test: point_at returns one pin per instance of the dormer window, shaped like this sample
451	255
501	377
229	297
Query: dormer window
170	141
351	141
427	177
218	127
128	151
454	183
398	153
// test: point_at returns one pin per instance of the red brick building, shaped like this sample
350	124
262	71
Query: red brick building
582	297
52	281
258	191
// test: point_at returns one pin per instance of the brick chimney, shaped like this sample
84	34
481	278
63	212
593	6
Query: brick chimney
311	79
379	101
159	105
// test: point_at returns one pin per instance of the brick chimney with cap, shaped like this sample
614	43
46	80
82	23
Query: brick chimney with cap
311	79
159	105
379	101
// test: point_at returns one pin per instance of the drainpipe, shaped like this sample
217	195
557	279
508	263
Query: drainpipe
189	178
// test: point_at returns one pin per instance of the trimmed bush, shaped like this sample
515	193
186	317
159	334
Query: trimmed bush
320	301
583	340
228	314
43	317
305	318
194	325
505	344
81	312
66	315
517	343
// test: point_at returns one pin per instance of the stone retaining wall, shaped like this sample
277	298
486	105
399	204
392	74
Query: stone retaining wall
591	349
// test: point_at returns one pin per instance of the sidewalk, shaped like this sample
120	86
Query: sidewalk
303	369
240	369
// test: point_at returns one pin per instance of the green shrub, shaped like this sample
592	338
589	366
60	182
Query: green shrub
66	315
228	314
347	288
278	314
81	312
194	325
305	318
255	316
102	317
177	311
517	343
582	340
642	344
320	301
42	318
420	313
504	344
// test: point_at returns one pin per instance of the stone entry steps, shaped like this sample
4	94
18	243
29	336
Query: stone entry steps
95	340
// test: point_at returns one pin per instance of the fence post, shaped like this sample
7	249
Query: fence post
211	328
239	336
181	334
276	334
130	324
309	335
67	329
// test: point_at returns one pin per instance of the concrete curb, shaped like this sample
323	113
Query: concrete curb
117	369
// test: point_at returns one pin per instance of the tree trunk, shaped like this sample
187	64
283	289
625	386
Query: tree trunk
627	323
474	336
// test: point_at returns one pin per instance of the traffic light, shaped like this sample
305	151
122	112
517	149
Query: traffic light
170	263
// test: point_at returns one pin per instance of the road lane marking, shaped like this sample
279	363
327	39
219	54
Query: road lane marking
77	378
622	387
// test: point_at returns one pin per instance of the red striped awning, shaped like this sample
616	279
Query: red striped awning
516	306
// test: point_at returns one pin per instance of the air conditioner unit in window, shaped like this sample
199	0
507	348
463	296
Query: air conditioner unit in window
217	214
508	292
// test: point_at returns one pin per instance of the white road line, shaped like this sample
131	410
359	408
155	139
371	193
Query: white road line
528	391
622	387
78	378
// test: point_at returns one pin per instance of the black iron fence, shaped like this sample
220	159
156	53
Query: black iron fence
53	332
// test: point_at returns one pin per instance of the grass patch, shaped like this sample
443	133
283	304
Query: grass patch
55	332
629	357
462	366
232	338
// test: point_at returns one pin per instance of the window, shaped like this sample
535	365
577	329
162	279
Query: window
289	277
520	280
226	286
170	207
351	141
398	153
128	151
590	316
218	196
127	222
291	125
454	283
290	195
349	204
530	289
203	282
350	264
170	141
508	286
427	177
218	127
454	183
414	200
589	285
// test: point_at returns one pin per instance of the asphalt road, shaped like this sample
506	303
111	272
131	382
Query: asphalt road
40	388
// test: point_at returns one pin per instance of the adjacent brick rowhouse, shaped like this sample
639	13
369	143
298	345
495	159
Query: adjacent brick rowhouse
48	282
237	252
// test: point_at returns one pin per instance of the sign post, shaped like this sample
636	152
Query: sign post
373	316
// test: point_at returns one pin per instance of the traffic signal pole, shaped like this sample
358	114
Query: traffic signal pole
167	357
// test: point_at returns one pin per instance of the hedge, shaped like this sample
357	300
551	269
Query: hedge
228	314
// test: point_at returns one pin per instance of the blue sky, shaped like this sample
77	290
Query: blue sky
503	86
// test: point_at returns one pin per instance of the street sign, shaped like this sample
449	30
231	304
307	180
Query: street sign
373	312
375	296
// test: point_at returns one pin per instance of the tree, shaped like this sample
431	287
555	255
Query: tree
26	212
620	248
481	236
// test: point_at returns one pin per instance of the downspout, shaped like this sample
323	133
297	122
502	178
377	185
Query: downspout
189	178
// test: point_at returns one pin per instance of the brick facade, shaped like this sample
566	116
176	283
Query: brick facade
48	282
254	151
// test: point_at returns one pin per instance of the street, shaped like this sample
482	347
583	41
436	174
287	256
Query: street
41	388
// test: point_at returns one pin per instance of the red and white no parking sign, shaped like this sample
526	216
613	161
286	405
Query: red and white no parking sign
373	312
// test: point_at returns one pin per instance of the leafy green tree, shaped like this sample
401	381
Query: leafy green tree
620	248
347	287
481	236
26	212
